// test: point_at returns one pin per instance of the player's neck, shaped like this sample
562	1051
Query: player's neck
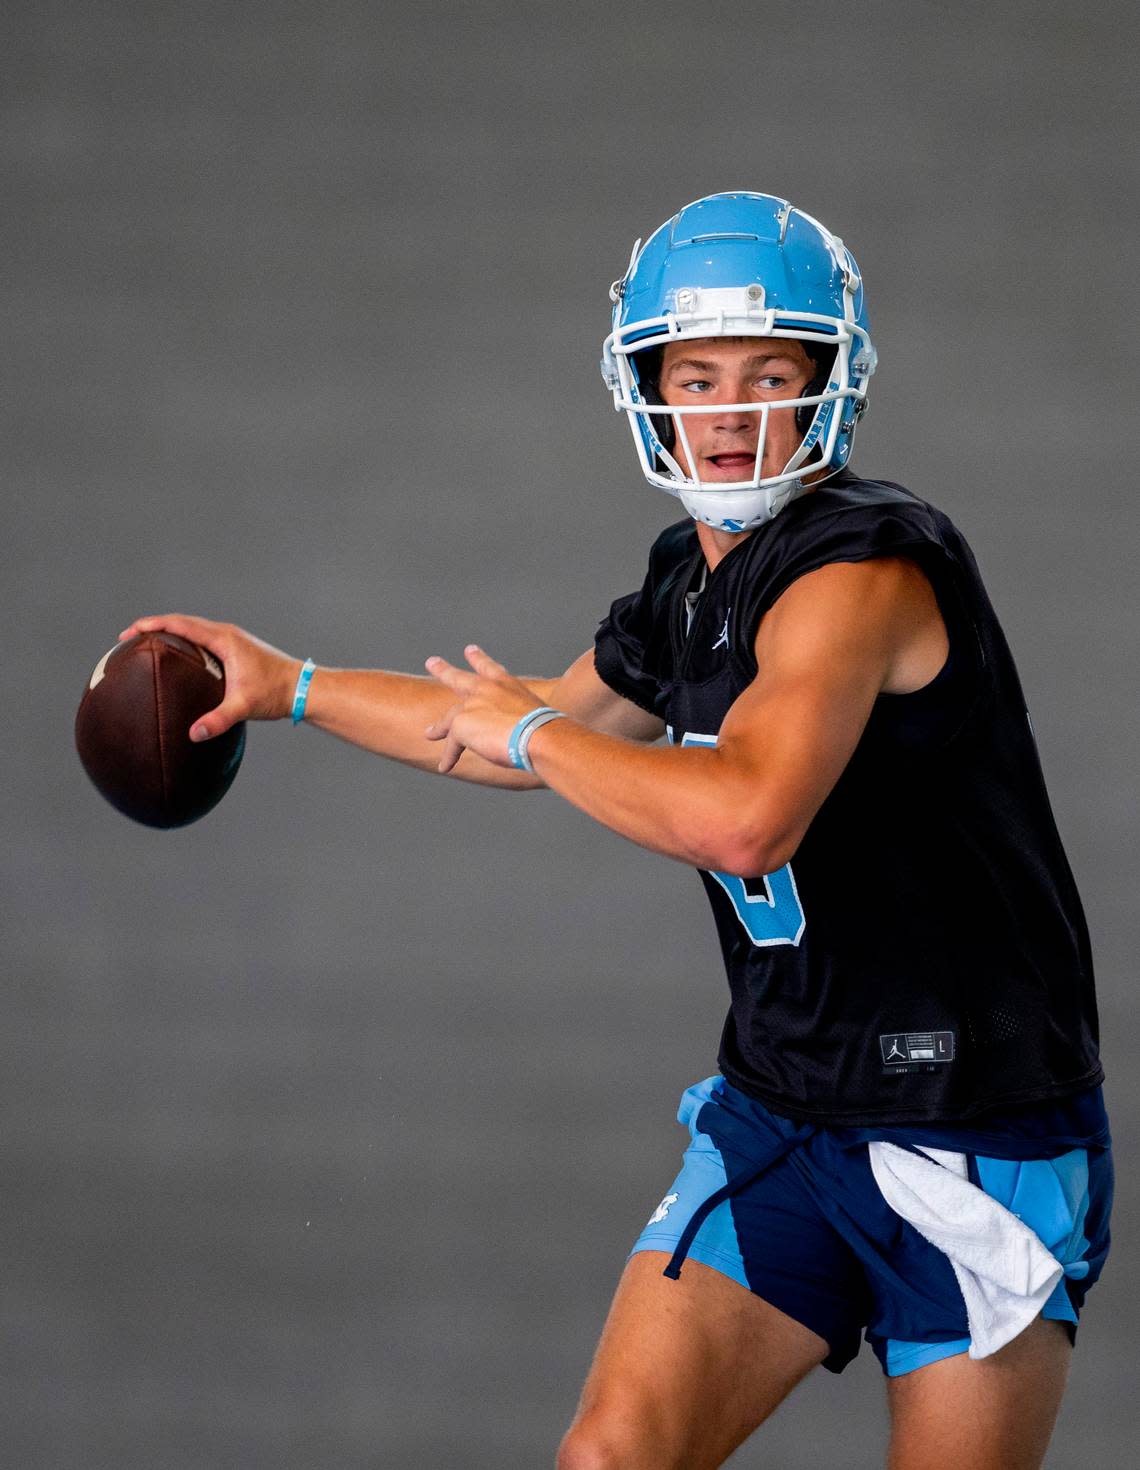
717	544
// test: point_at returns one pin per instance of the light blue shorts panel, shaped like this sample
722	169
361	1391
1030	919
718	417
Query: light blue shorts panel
812	1234
702	1173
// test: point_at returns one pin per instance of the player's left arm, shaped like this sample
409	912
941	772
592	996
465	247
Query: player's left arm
825	650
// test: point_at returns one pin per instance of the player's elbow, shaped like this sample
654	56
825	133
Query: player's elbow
751	845
747	858
752	823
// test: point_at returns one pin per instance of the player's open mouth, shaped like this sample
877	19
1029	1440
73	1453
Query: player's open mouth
740	461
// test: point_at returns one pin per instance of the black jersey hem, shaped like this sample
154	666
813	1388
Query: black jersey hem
884	1117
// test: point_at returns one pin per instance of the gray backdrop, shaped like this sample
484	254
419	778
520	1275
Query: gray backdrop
328	1122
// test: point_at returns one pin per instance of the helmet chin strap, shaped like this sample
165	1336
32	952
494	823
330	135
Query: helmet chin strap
736	510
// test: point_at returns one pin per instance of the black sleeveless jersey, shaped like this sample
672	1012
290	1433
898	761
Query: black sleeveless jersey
924	955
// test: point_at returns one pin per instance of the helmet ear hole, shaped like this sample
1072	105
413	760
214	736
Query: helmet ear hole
649	365
823	360
665	430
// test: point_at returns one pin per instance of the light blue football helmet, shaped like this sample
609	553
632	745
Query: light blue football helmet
740	265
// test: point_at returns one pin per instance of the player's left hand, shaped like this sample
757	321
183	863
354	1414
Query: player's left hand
490	703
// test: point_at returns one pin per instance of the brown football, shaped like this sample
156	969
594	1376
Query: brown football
133	730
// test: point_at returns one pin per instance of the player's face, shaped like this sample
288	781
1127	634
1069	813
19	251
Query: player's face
732	370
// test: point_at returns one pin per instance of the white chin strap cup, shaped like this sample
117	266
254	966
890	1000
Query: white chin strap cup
738	510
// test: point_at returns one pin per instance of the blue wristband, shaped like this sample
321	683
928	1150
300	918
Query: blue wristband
543	717
301	693
516	742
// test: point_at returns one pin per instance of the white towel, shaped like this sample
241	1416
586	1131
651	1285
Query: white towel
1005	1273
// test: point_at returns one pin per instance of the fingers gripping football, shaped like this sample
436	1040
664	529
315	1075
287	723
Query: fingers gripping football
260	679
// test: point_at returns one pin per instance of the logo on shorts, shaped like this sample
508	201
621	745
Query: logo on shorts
912	1050
662	1209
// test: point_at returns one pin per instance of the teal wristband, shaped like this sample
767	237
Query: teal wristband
543	717
519	737
301	693
515	750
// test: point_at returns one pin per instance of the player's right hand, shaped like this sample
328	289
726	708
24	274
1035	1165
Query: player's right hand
260	679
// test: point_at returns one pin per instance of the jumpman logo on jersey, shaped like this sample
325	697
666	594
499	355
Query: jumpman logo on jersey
722	641
896	1052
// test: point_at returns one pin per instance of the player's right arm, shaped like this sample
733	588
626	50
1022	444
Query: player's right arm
386	713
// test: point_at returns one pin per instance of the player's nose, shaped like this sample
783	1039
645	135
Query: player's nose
733	419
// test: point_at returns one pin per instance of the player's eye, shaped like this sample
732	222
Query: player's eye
771	382
696	385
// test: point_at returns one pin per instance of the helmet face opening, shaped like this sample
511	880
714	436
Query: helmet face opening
740	265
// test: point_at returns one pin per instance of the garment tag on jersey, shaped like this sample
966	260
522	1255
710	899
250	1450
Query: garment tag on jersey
914	1051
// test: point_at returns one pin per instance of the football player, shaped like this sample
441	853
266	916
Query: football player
905	1139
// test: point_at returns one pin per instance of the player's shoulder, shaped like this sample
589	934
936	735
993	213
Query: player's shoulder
846	520
852	518
673	554
852	500
676	544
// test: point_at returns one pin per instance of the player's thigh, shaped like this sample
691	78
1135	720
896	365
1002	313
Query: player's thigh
684	1371
994	1413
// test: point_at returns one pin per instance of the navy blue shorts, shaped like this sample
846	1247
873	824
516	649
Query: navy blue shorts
813	1235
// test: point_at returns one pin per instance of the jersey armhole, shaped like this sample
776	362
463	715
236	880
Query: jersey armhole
931	716
610	669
